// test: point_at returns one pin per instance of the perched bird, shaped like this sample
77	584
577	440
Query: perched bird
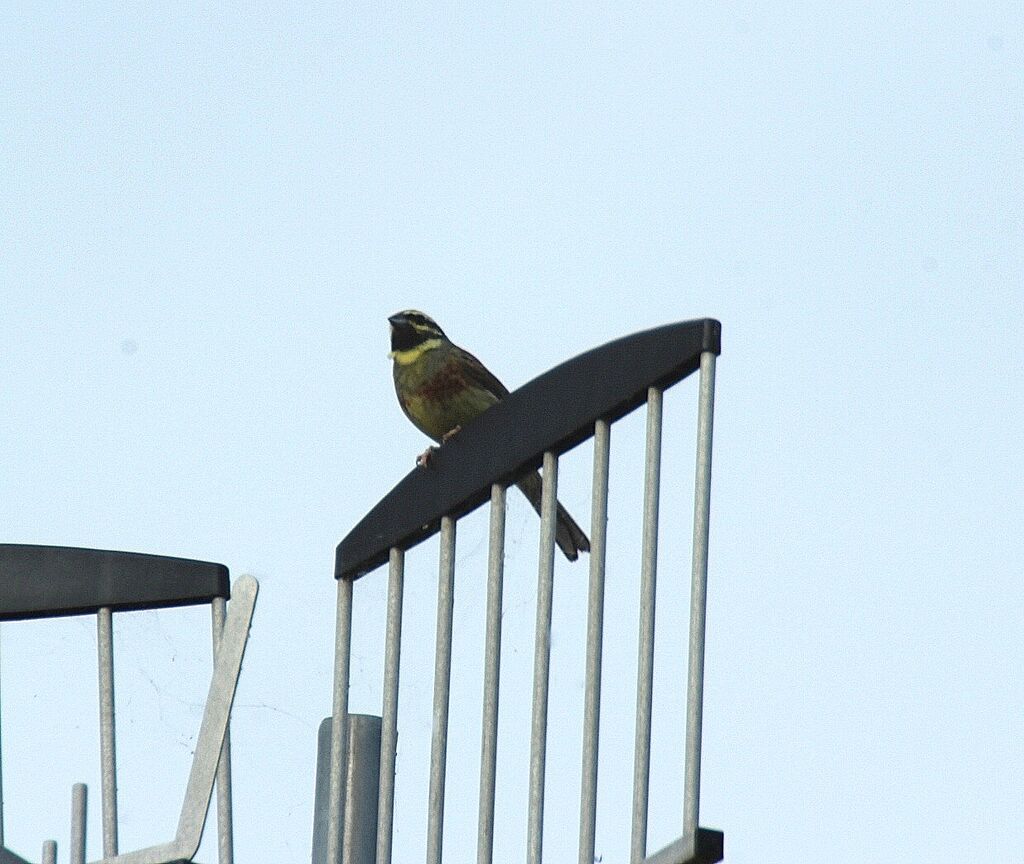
441	387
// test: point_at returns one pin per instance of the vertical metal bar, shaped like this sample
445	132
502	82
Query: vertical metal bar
79	796
108	758
645	639
339	722
595	639
442	686
49	852
542	660
389	718
225	825
698	593
492	674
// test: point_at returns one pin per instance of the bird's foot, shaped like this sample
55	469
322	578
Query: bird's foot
424	458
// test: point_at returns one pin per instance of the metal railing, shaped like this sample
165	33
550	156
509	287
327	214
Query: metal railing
578	400
55	581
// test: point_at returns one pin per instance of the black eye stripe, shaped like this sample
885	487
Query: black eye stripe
411	329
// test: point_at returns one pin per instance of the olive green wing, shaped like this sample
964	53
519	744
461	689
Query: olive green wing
478	375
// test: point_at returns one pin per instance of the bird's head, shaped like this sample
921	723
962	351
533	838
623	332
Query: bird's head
412	333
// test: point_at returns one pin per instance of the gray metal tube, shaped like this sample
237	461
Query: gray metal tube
108	758
492	674
698	594
389	718
49	852
359	843
339	723
79	798
645	638
322	792
542	660
442	688
595	639
225	823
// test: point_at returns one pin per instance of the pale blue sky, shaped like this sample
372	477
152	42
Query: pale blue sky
207	215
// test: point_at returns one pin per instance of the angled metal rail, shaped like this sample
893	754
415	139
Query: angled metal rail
571	403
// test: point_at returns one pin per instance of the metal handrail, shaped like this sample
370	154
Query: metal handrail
56	581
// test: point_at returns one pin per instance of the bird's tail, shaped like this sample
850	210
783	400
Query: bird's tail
568	535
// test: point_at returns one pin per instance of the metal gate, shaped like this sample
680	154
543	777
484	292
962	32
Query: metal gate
571	403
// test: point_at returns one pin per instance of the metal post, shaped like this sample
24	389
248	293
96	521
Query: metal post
389	718
108	759
645	639
225	825
442	687
359	841
339	722
698	594
542	659
49	852
79	797
492	674
595	639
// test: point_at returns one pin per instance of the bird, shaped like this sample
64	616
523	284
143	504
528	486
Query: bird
441	387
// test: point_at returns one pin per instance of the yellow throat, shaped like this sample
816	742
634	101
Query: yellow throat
411	355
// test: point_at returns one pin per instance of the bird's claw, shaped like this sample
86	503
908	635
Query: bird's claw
424	458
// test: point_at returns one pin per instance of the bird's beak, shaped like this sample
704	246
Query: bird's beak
396	321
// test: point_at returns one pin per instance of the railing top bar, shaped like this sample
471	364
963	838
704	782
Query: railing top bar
555	411
53	581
